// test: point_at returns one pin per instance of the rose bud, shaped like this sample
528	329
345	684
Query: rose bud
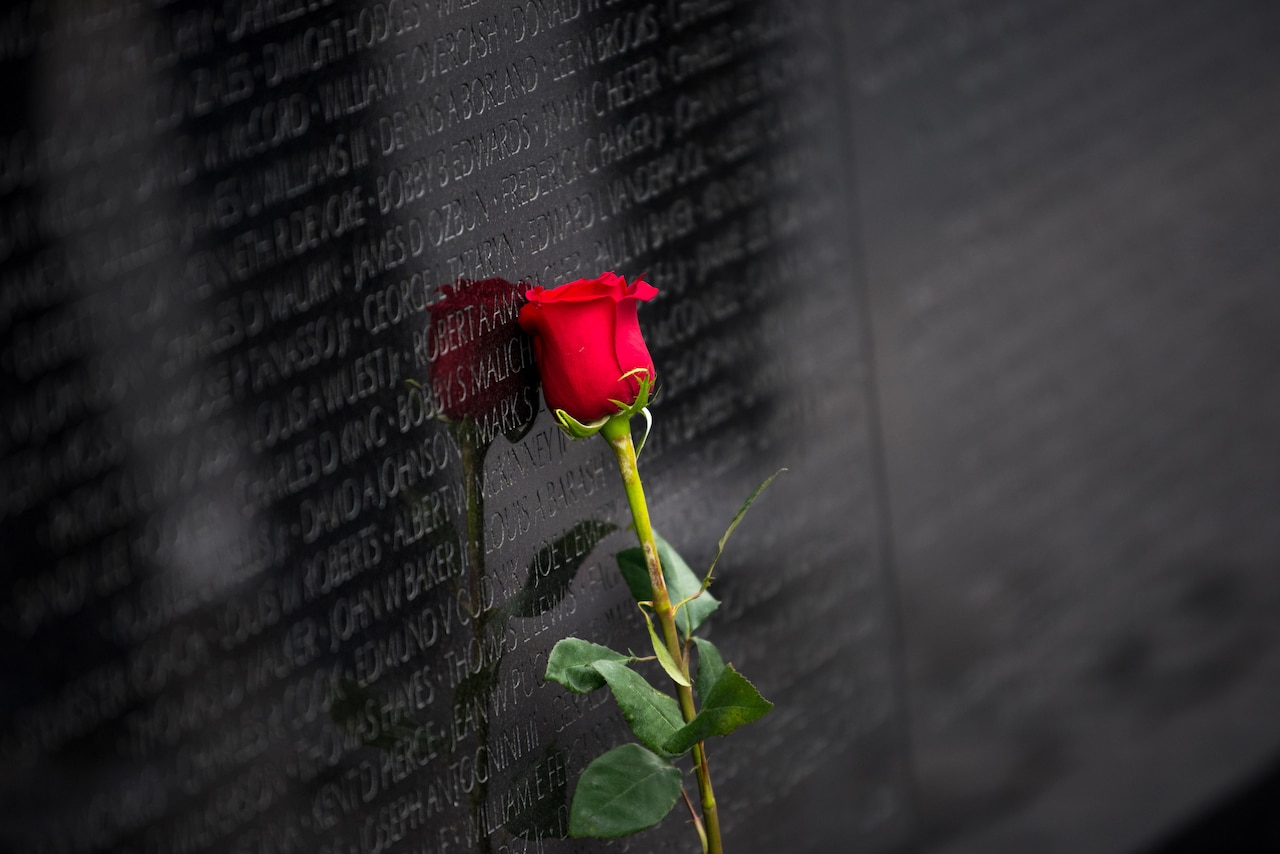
587	342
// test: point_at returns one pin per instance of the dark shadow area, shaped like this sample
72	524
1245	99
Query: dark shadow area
1245	822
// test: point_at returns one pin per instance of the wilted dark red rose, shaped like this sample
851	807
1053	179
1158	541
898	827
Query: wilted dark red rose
586	338
482	365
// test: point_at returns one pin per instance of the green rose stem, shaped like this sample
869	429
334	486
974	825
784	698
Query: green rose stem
618	431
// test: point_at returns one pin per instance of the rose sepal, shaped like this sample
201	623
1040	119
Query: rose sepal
578	430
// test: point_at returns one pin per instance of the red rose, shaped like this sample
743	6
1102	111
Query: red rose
482	368
586	339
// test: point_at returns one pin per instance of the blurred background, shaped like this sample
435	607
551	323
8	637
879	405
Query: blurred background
1069	241
998	283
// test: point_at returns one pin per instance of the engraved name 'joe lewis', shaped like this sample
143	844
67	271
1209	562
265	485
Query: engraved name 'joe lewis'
271	591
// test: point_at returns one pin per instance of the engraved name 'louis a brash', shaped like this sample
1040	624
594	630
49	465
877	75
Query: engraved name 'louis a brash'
596	375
